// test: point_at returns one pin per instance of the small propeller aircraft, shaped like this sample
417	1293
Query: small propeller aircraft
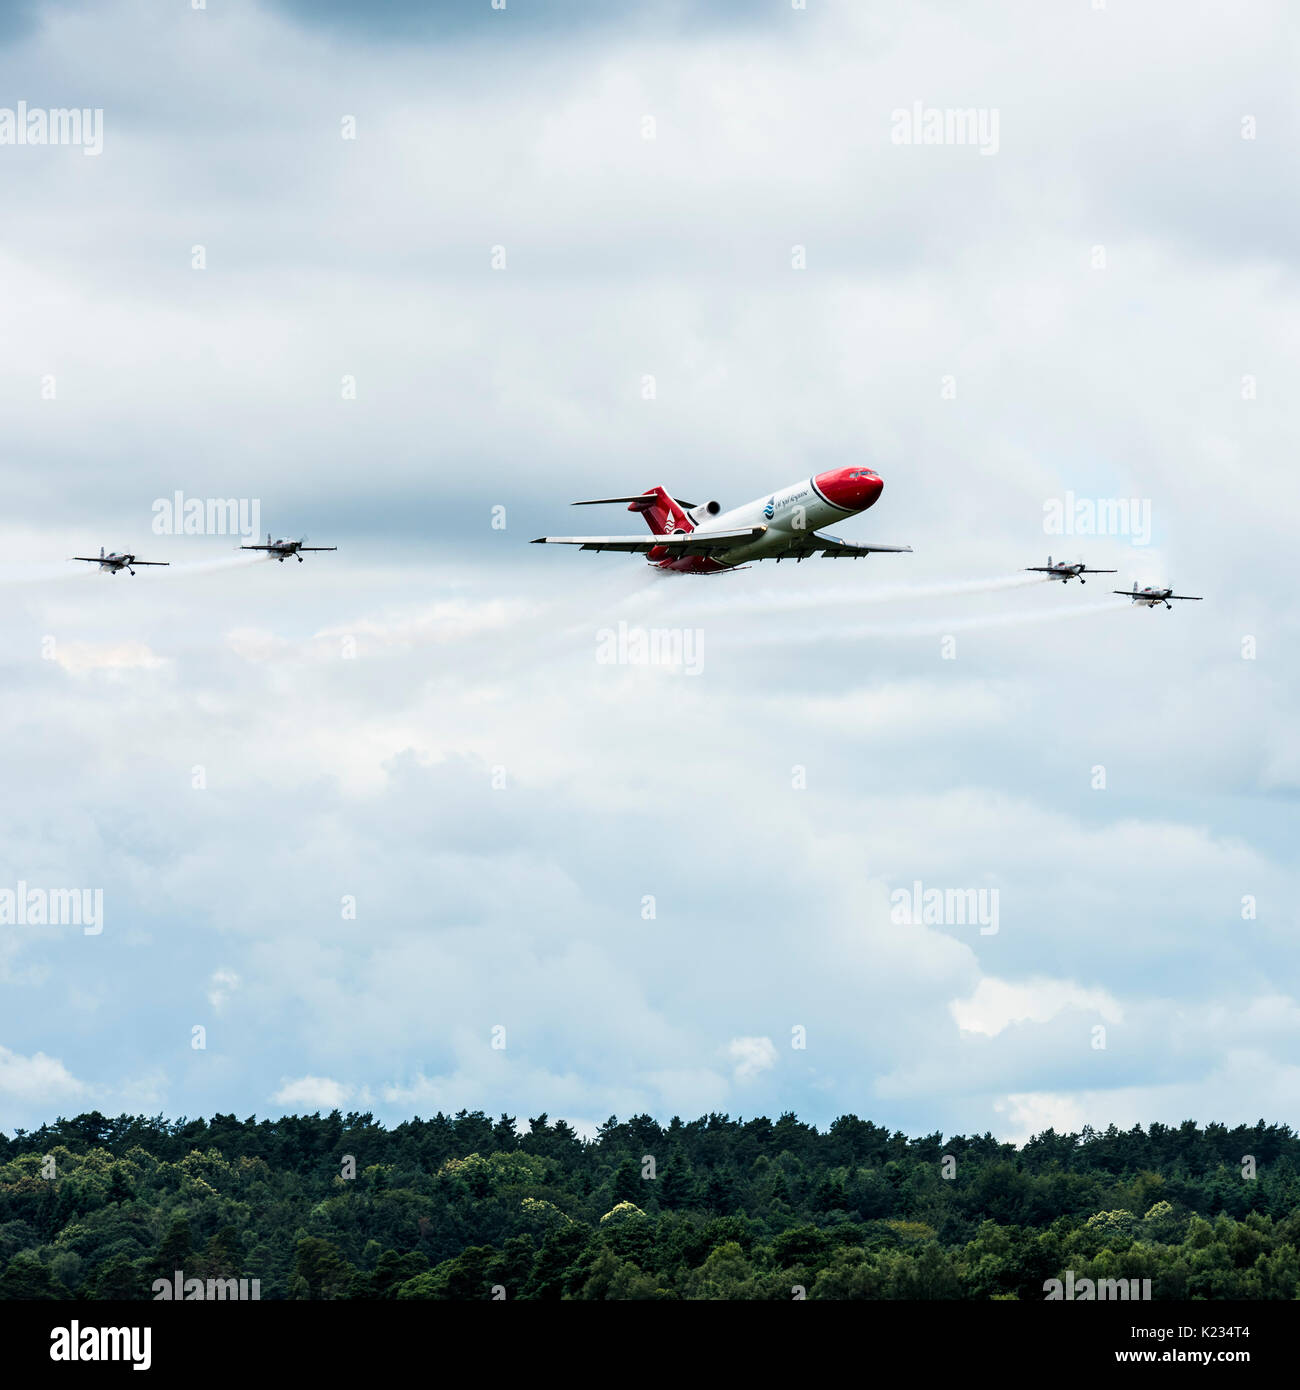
1151	597
703	539
283	548
1064	571
114	562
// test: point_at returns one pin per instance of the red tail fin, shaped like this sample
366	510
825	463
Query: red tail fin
663	515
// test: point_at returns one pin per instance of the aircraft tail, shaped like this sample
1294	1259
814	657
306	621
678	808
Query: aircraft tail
663	513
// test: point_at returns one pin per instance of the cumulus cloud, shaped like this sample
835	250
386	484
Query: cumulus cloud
996	1004
37	1079
312	1093
426	810
1243	1086
752	1057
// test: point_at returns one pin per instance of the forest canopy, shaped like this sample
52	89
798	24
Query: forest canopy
467	1207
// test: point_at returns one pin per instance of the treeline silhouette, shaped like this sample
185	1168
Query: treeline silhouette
467	1207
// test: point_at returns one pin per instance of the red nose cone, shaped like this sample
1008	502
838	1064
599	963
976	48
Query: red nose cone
853	489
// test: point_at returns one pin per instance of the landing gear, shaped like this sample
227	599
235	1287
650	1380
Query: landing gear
300	559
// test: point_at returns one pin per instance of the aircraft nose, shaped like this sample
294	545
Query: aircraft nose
853	489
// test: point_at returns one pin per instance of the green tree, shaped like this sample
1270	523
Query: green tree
325	1274
676	1180
27	1278
628	1185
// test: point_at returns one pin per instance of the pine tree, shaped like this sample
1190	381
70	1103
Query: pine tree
720	1191
677	1181
628	1184
174	1251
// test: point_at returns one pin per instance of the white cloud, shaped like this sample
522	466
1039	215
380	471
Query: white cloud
370	775
220	987
996	1004
752	1057
1023	1116
1243	1087
82	657
38	1078
313	1093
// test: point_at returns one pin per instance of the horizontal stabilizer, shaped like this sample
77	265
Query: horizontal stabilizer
603	501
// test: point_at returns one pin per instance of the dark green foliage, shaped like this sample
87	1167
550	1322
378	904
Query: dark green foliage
26	1277
464	1207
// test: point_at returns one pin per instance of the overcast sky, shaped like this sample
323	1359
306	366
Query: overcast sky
412	281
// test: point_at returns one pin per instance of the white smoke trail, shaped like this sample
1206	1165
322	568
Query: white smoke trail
491	636
638	592
771	601
44	573
56	572
239	560
559	627
930	628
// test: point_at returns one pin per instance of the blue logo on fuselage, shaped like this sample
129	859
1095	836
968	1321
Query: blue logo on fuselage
770	510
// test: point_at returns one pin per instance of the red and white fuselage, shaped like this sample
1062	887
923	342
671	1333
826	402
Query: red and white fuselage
781	525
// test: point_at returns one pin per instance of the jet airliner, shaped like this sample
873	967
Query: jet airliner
703	539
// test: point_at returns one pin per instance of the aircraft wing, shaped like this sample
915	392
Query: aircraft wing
1194	598
832	548
318	547
151	562
257	547
1088	569
93	559
688	543
1051	569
